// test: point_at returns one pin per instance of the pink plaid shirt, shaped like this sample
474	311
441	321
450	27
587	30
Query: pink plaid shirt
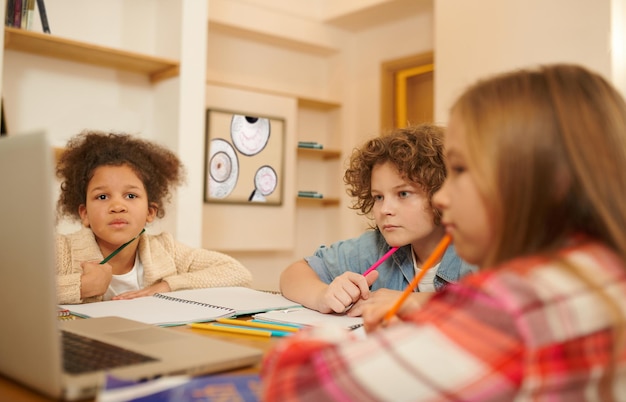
530	330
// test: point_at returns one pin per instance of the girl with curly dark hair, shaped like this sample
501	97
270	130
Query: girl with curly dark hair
116	184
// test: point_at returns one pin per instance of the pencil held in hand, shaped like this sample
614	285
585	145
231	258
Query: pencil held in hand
437	253
120	248
380	261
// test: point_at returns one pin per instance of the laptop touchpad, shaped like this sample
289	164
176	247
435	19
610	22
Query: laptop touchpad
147	335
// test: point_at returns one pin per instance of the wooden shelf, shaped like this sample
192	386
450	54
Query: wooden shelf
320	202
319	153
41	44
303	101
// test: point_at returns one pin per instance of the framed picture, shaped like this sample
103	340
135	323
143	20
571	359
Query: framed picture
243	158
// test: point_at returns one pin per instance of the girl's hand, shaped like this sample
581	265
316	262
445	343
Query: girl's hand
95	279
160	287
375	309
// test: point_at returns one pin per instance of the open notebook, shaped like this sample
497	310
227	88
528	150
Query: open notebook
186	306
31	349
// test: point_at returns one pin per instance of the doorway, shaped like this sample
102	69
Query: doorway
407	91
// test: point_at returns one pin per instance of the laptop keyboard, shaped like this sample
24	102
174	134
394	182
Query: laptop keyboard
83	355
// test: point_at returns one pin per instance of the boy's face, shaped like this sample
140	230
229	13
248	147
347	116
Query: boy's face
401	209
117	208
465	213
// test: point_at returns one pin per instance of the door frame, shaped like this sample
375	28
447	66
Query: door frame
394	76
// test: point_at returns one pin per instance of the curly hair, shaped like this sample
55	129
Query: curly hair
417	153
157	167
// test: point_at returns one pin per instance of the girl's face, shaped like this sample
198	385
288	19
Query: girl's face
117	206
401	209
464	211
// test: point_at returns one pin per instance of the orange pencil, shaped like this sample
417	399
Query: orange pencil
437	253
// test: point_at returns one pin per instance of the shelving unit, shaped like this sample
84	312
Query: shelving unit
321	153
317	202
156	68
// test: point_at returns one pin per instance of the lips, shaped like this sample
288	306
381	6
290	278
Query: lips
118	223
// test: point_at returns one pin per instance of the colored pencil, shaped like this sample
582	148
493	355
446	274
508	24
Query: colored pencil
234	330
120	248
436	254
256	324
380	261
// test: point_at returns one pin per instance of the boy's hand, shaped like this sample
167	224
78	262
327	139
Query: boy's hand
95	279
345	290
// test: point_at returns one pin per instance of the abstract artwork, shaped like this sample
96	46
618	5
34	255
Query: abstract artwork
244	158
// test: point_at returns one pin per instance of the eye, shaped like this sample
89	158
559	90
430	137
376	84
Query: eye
131	196
101	197
457	169
377	198
404	194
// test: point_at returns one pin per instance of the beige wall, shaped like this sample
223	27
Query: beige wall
267	239
302	51
475	38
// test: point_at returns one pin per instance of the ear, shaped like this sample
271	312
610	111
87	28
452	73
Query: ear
82	212
152	212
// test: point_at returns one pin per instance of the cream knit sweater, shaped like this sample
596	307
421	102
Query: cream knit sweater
163	258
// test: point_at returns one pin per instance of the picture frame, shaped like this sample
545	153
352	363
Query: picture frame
244	158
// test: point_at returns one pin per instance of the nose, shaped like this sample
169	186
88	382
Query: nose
440	198
117	205
388	206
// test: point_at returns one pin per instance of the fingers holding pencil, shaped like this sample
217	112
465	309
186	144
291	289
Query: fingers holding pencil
372	317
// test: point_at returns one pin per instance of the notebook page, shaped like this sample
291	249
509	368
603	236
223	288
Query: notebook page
308	317
241	299
151	310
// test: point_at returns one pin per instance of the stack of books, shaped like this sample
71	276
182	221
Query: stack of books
310	144
310	194
20	14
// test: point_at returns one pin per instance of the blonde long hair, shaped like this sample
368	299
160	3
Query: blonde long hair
549	146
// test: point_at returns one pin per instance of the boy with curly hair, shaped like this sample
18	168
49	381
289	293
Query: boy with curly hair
392	179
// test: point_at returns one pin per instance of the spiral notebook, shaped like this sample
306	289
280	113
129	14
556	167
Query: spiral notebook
186	306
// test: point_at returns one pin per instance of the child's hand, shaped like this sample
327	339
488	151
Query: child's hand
375	309
160	287
95	279
346	289
381	297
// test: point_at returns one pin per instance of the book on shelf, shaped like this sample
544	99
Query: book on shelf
221	387
9	13
28	11
186	306
43	16
17	13
310	194
20	14
310	144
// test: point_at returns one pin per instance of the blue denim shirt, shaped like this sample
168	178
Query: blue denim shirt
396	273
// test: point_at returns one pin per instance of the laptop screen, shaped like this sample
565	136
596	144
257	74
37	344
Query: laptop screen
29	341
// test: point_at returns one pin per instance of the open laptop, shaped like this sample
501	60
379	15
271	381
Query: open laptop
30	339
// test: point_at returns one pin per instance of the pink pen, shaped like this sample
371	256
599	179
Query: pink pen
380	261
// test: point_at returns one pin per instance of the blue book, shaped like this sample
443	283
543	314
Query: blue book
222	387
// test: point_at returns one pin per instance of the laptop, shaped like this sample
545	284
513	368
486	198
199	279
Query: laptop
31	335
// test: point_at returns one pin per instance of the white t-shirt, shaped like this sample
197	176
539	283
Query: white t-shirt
427	283
132	280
